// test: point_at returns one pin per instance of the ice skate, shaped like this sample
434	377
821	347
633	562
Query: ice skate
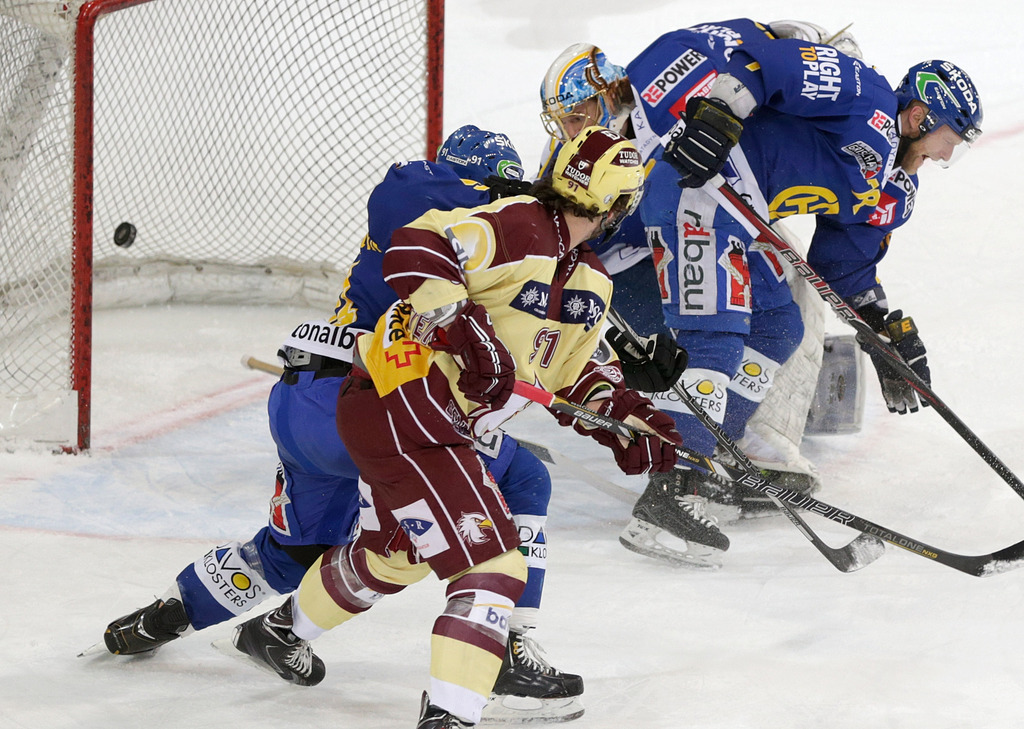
268	640
754	504
529	689
434	717
147	628
730	502
670	523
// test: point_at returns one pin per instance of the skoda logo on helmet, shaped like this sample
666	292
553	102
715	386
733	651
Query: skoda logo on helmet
949	94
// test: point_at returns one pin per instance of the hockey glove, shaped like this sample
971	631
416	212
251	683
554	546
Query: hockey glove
900	396
642	453
488	370
699	150
655	368
500	187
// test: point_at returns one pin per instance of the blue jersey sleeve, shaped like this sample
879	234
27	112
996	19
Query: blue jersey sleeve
846	256
805	79
408	191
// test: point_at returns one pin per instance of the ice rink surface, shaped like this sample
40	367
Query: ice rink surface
777	639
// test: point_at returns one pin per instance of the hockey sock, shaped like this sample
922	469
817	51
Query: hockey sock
347	581
468	641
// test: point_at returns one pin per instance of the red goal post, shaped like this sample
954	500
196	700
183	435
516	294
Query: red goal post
238	139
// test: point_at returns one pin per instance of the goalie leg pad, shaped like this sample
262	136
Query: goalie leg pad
838	404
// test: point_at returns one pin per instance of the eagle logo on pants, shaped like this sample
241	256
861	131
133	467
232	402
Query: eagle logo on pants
471	528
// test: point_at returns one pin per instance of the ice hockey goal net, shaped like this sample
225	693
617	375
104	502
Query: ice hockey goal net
238	139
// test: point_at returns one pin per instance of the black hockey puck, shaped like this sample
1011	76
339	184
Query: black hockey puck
124	236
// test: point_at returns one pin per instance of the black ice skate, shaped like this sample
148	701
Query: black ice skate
729	502
670	523
268	640
529	689
755	504
434	717
147	628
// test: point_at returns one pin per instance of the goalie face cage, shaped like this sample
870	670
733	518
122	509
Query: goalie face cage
239	139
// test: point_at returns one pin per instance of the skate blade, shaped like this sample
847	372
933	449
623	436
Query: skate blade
228	648
651	541
528	710
100	649
94	650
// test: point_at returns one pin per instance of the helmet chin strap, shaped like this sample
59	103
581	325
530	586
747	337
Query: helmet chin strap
609	226
904	145
906	141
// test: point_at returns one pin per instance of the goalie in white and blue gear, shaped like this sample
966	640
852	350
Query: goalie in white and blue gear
316	500
583	88
797	128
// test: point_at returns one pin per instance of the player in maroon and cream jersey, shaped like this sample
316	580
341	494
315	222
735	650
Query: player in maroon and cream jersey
489	295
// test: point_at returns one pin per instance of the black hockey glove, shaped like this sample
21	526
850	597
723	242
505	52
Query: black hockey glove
654	369
699	150
900	396
501	187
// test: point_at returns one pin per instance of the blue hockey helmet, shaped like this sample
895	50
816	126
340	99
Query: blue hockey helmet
949	94
477	154
580	73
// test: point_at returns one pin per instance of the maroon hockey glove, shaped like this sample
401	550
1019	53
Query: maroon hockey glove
644	453
488	370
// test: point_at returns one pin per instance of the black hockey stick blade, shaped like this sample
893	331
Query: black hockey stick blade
859	553
984	565
1004	560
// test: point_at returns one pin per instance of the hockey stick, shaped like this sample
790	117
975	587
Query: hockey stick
544	453
861	552
722	191
982	565
257	364
577	470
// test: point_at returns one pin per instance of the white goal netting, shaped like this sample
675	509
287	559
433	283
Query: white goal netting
238	139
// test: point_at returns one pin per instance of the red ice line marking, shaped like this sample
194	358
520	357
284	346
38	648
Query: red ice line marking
179	416
1001	134
102	537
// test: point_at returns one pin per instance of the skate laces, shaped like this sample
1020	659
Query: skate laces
696	507
528	651
300	659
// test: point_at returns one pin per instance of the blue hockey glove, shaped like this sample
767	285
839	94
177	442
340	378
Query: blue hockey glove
699	150
900	396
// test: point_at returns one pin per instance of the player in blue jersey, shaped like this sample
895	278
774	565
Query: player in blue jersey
797	127
316	500
583	87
